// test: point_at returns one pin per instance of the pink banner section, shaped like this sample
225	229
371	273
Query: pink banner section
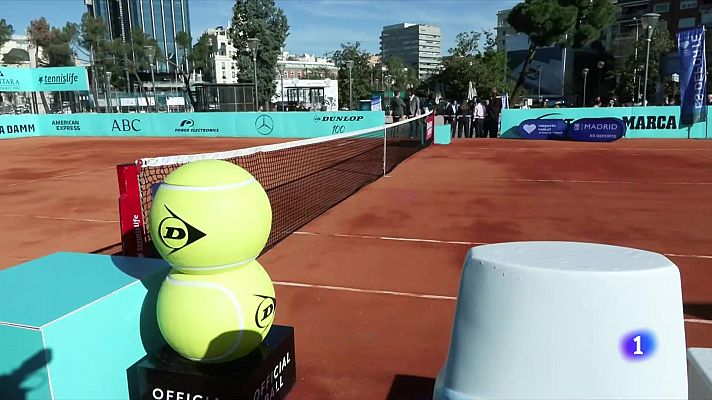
429	126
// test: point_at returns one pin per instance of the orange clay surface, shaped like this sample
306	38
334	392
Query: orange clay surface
370	285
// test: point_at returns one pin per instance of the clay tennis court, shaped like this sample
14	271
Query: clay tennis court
370	285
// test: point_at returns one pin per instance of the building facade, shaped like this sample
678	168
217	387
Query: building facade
418	45
222	57
161	20
309	80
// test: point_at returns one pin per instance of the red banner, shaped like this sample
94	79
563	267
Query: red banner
130	211
429	126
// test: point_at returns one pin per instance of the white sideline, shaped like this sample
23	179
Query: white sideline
401	239
407	294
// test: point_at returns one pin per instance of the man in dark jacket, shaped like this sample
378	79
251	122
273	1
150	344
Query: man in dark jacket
494	110
397	107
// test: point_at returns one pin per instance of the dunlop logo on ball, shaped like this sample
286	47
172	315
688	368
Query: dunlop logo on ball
265	311
176	233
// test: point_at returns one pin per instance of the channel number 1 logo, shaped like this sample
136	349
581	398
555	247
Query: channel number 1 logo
638	345
176	233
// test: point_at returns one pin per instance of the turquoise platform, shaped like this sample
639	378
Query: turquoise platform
71	324
442	134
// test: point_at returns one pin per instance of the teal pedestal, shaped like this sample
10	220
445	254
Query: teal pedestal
442	134
71	324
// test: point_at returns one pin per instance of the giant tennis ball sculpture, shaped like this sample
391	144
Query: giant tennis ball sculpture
216	318
210	216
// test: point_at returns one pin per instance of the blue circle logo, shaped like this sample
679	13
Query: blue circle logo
638	345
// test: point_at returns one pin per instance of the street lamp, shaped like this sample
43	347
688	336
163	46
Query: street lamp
350	66
280	68
107	92
253	44
151	54
649	21
538	68
600	66
675	83
383	70
585	75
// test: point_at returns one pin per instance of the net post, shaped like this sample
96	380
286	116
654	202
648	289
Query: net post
130	211
385	137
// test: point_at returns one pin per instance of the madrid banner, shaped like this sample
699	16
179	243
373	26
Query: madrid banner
693	75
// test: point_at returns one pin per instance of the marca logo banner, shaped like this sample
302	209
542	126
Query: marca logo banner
693	75
54	79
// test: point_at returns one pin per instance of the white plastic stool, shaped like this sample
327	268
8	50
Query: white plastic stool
562	320
699	373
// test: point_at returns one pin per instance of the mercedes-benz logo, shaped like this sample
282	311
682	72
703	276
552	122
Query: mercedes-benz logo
317	119
264	124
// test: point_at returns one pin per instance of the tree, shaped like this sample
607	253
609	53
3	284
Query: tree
259	19
58	52
632	73
6	31
360	72
184	41
574	23
39	35
200	56
469	61
403	76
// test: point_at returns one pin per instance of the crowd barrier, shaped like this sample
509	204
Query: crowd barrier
641	122
223	124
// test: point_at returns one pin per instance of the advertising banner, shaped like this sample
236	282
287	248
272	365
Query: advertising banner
693	75
542	129
640	122
376	103
51	79
224	124
596	130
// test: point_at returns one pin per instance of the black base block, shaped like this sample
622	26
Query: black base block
268	373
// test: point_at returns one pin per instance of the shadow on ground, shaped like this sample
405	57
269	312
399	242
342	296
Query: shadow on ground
408	387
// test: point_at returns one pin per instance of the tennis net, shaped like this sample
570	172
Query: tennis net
303	178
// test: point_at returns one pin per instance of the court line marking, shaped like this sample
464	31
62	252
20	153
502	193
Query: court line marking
407	294
584	148
698	321
400	239
60	218
49	178
587	181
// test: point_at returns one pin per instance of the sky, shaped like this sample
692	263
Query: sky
316	26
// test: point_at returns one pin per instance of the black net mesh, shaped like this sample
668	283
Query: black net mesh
302	180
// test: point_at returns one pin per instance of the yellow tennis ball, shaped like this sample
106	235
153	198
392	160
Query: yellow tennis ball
209	216
216	318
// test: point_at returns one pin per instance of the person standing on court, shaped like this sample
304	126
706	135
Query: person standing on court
494	110
413	111
397	107
479	119
450	112
463	120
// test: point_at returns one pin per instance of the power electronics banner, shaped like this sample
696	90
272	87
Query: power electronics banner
51	79
223	124
693	75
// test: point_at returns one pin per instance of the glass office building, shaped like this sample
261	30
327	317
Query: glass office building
159	19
